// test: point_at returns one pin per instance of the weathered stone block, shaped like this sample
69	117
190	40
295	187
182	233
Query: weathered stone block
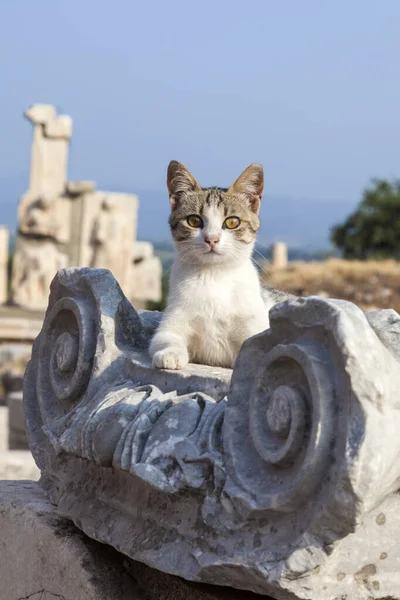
62	223
273	477
43	556
40	114
60	128
78	188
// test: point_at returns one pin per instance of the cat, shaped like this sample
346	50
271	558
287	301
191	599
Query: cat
215	298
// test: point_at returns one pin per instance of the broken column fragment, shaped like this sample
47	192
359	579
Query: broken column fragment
278	477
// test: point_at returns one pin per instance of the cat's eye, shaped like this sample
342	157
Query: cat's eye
232	222
195	221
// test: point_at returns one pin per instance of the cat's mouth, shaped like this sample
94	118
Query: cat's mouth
212	251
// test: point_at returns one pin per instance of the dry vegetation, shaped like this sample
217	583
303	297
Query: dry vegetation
370	285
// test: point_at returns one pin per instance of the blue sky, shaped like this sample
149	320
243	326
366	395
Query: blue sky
308	88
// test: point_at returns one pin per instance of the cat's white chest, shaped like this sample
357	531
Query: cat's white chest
210	300
217	308
210	332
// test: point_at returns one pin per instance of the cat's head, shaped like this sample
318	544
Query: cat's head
214	225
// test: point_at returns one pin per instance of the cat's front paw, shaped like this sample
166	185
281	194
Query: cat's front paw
170	358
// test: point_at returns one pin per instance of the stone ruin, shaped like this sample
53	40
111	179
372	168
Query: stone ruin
60	223
279	255
70	223
278	478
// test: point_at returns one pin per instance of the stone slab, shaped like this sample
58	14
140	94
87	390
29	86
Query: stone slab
77	188
40	114
44	557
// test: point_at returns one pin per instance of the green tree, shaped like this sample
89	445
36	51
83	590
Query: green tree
373	230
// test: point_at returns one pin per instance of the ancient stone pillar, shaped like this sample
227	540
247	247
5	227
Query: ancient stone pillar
279	255
63	223
4	241
107	232
49	159
43	211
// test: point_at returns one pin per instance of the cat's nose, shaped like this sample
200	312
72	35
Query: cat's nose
212	240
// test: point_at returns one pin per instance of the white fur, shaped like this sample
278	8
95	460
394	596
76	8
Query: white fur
215	301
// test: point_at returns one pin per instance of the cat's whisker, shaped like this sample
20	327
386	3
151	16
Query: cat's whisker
258	252
262	256
267	246
261	265
258	264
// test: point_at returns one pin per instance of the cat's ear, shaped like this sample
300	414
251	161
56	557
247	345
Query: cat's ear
179	180
251	183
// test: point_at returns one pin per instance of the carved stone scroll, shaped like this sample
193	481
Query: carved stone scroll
269	478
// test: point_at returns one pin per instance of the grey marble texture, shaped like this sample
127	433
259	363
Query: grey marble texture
253	478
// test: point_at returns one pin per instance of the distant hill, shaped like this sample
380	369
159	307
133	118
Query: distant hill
301	223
